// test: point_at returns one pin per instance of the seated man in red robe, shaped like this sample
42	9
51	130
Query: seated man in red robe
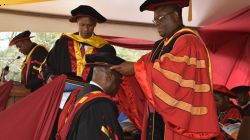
90	112
229	115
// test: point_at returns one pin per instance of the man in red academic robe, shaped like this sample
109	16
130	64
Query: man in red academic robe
175	78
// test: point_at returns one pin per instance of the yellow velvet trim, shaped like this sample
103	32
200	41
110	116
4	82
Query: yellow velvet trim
94	40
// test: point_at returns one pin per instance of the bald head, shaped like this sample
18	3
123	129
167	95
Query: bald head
108	79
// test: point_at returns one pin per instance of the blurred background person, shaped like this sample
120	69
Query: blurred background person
229	115
32	65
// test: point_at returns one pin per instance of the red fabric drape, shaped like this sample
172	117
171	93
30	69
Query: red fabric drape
237	22
130	43
4	94
136	101
228	41
33	117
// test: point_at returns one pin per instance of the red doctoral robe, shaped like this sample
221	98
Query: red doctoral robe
178	85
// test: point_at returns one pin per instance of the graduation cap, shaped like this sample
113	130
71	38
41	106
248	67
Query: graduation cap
241	89
85	10
224	90
150	5
103	59
22	36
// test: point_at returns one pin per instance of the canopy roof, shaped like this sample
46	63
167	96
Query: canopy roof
124	17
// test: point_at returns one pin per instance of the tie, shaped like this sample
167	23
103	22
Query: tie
82	49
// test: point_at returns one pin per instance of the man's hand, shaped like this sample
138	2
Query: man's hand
126	68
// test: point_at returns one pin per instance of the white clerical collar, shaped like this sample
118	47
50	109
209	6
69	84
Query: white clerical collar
94	83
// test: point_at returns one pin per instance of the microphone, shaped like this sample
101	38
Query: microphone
5	70
18	57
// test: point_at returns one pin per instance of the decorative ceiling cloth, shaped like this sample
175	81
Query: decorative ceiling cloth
228	41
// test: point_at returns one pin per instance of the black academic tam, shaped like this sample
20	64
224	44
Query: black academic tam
85	10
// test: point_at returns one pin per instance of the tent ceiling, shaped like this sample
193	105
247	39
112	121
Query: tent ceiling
204	11
123	11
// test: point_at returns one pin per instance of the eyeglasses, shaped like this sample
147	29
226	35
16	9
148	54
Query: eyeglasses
160	18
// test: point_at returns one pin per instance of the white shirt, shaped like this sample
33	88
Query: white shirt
85	46
94	83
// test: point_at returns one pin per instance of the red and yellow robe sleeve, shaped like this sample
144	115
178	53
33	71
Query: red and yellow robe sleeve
178	86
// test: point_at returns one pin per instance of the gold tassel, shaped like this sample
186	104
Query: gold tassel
190	11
